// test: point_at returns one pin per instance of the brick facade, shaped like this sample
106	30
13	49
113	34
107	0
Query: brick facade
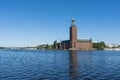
84	45
73	43
73	36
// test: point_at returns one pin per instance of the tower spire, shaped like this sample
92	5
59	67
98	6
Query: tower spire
73	21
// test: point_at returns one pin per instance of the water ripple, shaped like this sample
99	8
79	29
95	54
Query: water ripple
59	65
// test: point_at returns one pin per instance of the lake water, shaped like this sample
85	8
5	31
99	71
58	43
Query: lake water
59	65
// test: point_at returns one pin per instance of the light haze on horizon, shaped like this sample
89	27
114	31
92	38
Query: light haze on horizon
34	22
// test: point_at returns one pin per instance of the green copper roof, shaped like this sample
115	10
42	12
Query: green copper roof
73	22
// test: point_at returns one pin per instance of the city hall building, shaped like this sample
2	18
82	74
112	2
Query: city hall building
73	42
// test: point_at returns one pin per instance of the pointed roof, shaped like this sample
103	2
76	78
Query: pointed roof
73	22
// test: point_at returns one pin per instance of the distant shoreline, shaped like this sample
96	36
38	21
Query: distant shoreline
24	48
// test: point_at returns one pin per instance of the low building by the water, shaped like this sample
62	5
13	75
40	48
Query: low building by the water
74	43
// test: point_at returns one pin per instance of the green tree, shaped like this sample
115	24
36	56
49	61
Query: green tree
55	44
46	46
103	45
99	45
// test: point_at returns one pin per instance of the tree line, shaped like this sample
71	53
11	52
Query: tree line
99	45
48	46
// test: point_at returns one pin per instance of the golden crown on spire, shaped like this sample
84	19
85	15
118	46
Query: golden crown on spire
73	21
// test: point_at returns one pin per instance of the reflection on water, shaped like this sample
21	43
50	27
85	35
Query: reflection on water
59	65
73	64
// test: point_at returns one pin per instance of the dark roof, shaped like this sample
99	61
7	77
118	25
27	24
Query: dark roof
65	41
84	40
79	40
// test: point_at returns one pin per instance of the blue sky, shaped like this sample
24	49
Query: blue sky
33	22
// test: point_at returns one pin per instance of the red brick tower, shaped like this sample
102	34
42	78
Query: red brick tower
73	34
